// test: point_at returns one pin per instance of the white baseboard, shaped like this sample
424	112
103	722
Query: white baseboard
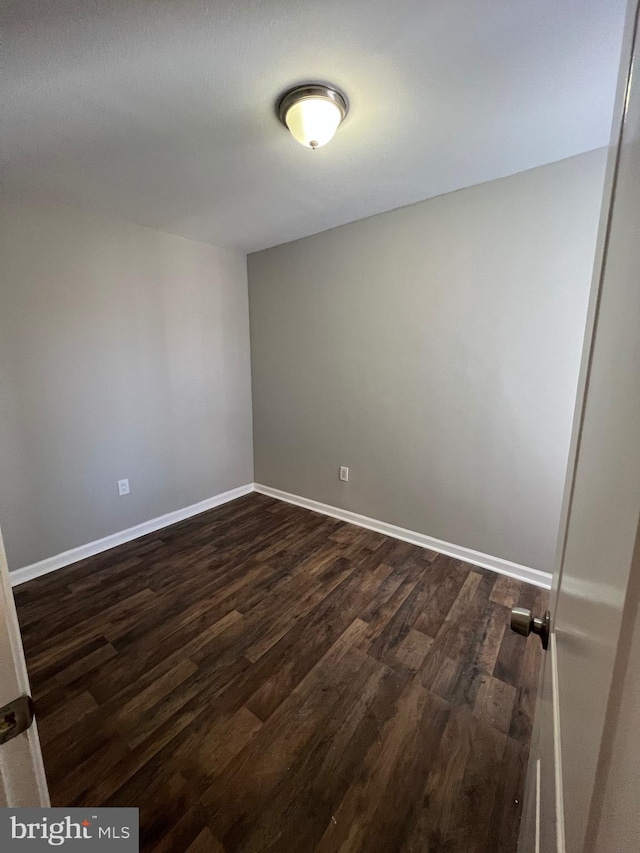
496	564
35	570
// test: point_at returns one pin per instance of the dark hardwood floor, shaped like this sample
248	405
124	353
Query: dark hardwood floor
263	678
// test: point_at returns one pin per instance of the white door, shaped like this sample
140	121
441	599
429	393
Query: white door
22	779
577	707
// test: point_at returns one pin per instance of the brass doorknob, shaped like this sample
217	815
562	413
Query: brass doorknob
523	622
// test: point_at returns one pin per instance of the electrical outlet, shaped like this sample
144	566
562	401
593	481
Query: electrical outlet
344	474
123	487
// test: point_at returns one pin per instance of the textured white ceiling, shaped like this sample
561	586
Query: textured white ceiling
162	111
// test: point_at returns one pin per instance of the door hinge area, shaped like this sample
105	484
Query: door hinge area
15	718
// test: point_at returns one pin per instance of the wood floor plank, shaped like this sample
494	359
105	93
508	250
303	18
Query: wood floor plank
69	714
505	816
190	833
429	829
323	770
296	654
506	591
449	576
259	768
402	622
204	843
494	703
374	814
470	819
264	679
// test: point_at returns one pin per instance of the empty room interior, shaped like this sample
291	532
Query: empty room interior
296	308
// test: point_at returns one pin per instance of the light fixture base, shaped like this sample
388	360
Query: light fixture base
312	90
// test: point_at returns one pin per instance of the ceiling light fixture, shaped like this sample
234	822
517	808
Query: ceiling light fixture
313	113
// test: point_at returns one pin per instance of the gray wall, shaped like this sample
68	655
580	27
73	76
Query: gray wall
435	351
124	352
